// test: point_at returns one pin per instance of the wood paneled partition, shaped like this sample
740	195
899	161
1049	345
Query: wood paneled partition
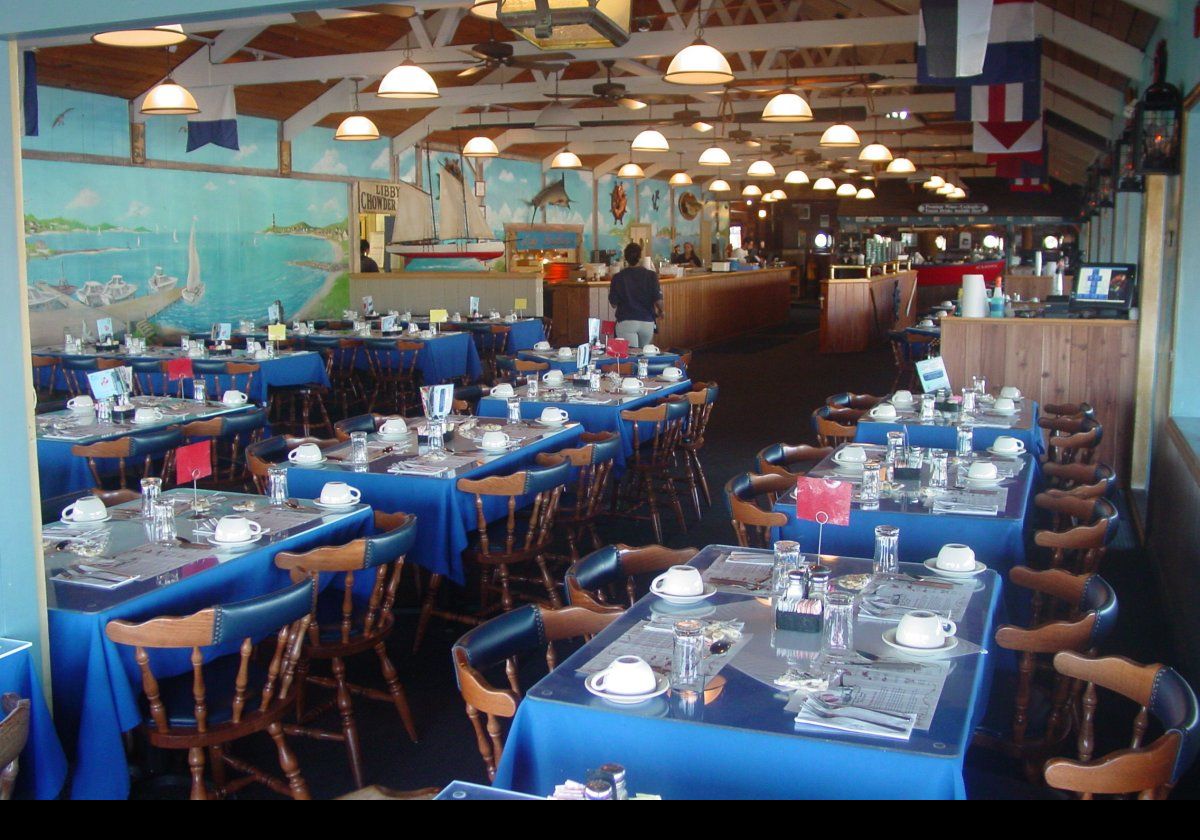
856	313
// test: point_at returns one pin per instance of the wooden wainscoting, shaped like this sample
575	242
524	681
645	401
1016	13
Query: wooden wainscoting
856	313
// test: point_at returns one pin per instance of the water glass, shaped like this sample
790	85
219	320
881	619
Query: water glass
887	550
837	634
151	490
928	404
687	656
199	390
966	441
277	485
915	457
787	559
104	412
643	368
164	523
358	447
895	448
939	470
979	384
514	410
271	349
871	486
969	400
436	435
531	386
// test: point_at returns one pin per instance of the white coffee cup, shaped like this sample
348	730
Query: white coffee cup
672	373
148	415
494	441
542	345
234	398
339	493
1004	404
650	350
426	333
236	529
553	415
565	352
982	471
81	403
261	354
1010	392
924	630
853	455
956	557
87	509
681	581
627	676
631	384
884	411
902	397
306	453
503	390
1008	445
395	426
553	377
925	322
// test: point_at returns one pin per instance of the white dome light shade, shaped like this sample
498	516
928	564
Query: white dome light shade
796	176
651	140
901	166
957	193
875	153
166	35
847	190
702	127
698	64
408	81
714	156
486	9
840	136
935	182
761	169
991	241
779	195
169	98
865	194
824	184
556	117
719	186
945	189
787	107
358	127
751	190
480	147
769	198
631	170
566	160
680	179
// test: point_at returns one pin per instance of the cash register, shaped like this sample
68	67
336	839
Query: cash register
1103	290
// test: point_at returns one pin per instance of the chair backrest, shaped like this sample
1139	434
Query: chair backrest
499	642
834	426
750	500
779	458
144	445
1075	447
657	430
238	423
623	368
1080	409
593	463
857	402
274	450
467	397
359	423
283	614
240	376
14	732
701	400
544	484
1150	771
393	359
606	576
1083	530
381	555
150	378
1088	481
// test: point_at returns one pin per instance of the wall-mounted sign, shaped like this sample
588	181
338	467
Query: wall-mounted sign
378	196
546	240
955	209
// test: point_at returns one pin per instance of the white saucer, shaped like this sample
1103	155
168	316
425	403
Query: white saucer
633	393
1010	455
235	404
848	465
493	451
669	379
547	424
998	413
391	438
883	418
982	483
327	506
687	600
678	611
308	463
107	517
660	687
931	565
212	540
889	639
136	422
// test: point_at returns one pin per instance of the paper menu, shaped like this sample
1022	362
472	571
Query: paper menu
106	384
583	356
223	332
932	374
473	304
593	330
273	314
387	323
520	304
277	332
368	304
911	691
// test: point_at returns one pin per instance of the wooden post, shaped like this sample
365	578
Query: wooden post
1155	227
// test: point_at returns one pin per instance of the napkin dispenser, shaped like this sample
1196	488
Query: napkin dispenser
722	266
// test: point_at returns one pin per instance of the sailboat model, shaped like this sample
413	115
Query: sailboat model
461	233
193	290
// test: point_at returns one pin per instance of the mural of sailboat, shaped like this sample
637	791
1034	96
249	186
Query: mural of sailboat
461	233
193	290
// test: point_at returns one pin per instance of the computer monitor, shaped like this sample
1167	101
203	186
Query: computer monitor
1104	286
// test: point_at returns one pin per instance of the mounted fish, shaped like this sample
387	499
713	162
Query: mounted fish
551	195
689	206
618	202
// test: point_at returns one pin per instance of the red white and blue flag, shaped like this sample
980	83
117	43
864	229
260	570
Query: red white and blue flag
1002	138
217	121
950	42
1013	102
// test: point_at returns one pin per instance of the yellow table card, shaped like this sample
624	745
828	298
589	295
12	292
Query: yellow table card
277	332
522	304
438	316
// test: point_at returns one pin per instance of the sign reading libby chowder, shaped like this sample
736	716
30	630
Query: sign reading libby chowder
377	196
954	209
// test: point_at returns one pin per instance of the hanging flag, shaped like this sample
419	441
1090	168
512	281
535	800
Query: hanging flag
1007	138
953	37
217	121
29	94
1027	175
1012	52
1007	165
1028	185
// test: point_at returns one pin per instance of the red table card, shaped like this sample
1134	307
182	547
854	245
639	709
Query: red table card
179	369
818	498
193	462
618	348
608	328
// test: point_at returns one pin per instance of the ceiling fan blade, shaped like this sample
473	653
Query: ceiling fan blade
308	19
470	71
631	103
399	10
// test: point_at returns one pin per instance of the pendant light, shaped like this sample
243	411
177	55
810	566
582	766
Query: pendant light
556	116
358	127
566	159
164	35
714	156
751	191
840	136
901	166
720	185
865	194
787	107
824	184
480	147
699	63
769	198
650	140
486	9
168	98
761	169
779	195
958	194
875	152
935	182
408	81
847	190
796	176
631	171
680	178
702	126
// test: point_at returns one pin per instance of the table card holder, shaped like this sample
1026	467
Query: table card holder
104	330
473	306
618	348
179	369
274	316
192	463
223	332
932	374
108	384
583	356
520	305
387	324
277	332
594	330
368	304
823	501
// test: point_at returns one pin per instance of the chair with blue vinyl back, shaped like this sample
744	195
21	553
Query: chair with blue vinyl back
517	371
518	540
14	732
341	365
1150	771
150	379
496	646
751	499
650	471
75	370
835	426
226	694
583	503
1080	533
45	376
491	344
274	450
345	624
607	576
144	447
467	397
855	402
1069	613
790	459
1087	481
1071	440
397	379
368	423
231	434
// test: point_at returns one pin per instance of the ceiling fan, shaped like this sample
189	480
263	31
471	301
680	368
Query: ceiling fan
492	54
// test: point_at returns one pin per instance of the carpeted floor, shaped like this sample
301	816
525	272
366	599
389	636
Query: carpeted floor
770	383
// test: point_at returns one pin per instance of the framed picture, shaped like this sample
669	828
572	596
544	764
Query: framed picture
480	188
964	241
824	222
803	212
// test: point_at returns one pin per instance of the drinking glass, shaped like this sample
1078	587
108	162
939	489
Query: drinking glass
915	457
643	368
837	634
277	485
687	655
979	384
531	386
928	403
164	523
869	494
895	448
939	470
969	398
966	440
887	550
787	559
436	436
514	410
151	490
358	447
104	412
199	390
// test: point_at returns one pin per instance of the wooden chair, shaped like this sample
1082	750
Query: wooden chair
907	350
856	402
516	371
341	364
45	375
14	732
548	329
377	793
1087	481
394	370
221	375
369	423
492	344
1082	531
498	644
701	400
1149	771
228	697
650	471
76	368
605	578
513	542
274	450
1075	447
791	459
150	379
467	397
623	368
230	435
145	447
1080	409
751	498
584	501
344	625
834	426
1070	613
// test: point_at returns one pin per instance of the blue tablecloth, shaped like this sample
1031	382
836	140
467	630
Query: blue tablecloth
568	365
448	357
447	516
97	684
595	418
743	745
43	763
1025	429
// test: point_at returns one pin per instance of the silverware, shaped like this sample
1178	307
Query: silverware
813	710
861	713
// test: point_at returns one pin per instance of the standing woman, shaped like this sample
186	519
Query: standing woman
637	298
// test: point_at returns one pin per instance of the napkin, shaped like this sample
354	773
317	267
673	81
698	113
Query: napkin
943	506
853	720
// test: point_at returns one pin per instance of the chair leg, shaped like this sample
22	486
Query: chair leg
196	765
216	757
652	500
701	477
288	763
548	582
396	689
435	583
506	599
345	706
